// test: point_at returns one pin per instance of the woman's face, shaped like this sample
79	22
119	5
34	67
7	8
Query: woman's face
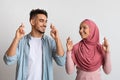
84	30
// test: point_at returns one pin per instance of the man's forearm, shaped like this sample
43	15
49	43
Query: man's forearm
12	49
60	50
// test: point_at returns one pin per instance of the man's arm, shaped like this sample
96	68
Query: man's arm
19	34
59	47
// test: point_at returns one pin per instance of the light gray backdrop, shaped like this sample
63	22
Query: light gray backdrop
66	15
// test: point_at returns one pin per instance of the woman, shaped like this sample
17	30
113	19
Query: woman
88	55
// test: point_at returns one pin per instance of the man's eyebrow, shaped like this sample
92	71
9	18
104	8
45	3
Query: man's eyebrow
43	20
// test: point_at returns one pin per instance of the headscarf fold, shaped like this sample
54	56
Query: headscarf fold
88	53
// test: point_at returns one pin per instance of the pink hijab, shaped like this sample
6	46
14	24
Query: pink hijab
87	54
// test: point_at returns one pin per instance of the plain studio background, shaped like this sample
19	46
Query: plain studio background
66	15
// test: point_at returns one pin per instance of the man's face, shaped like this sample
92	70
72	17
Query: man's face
84	30
39	23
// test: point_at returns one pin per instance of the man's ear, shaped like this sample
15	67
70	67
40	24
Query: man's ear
32	22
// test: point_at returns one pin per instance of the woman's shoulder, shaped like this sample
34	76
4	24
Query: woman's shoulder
76	45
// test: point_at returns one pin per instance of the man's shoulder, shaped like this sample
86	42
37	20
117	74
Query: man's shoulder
46	37
25	38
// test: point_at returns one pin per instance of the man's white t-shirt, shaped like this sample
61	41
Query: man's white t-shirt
35	59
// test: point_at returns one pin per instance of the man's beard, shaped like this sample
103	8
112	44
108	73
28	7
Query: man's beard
41	32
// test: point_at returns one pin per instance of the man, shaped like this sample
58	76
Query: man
34	51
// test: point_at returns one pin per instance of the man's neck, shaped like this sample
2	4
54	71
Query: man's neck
37	35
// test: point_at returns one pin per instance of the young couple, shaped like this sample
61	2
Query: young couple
34	52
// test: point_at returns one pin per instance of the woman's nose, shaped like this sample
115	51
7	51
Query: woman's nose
81	30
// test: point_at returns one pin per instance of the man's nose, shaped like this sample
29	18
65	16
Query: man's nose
44	24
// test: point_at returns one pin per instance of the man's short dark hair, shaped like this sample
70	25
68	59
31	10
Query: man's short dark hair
34	12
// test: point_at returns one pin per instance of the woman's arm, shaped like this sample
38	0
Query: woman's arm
69	64
107	61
